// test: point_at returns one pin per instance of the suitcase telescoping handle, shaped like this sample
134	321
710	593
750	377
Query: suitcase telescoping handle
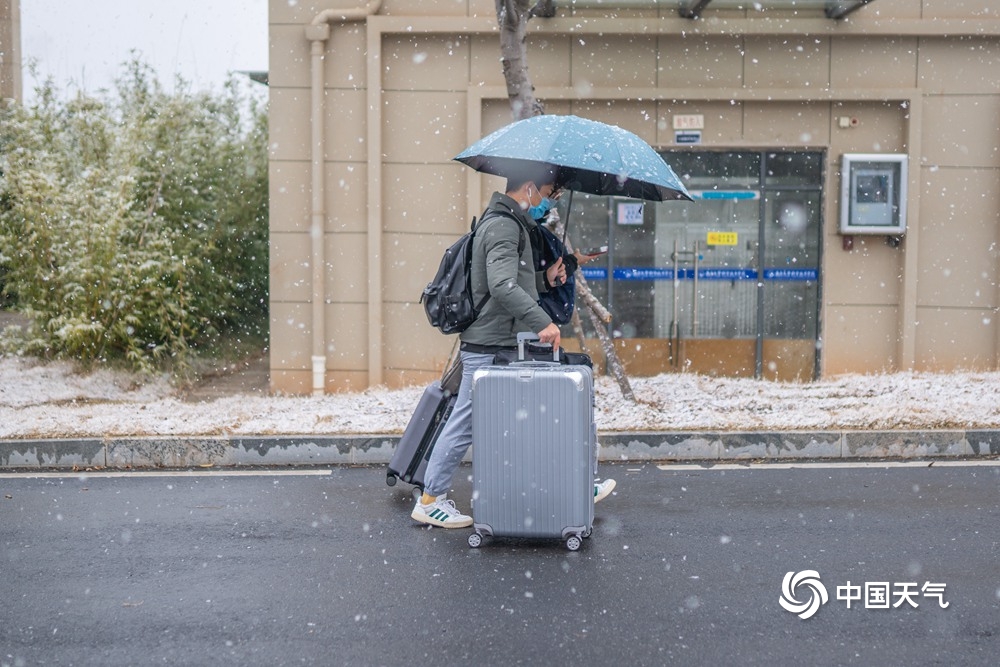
526	336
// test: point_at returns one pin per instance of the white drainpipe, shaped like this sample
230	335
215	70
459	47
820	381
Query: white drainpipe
318	32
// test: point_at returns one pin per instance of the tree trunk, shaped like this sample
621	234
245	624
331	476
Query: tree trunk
614	363
512	16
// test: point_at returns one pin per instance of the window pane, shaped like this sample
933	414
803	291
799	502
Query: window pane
633	294
742	262
791	169
722	302
791	264
586	219
710	170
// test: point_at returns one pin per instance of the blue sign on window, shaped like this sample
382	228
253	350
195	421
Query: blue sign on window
725	194
791	274
727	274
591	273
710	273
643	273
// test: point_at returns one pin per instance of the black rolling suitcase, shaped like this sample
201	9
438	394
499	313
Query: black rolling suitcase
409	461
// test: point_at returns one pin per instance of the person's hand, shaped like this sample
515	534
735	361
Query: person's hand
556	274
583	257
550	334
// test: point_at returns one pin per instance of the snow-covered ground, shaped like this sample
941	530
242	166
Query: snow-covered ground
52	400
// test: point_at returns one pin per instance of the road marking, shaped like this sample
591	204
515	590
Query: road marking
827	465
203	472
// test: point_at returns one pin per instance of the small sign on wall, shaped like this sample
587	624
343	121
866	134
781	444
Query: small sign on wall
688	137
629	213
691	121
722	238
688	127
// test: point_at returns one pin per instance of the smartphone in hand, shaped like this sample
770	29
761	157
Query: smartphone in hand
593	252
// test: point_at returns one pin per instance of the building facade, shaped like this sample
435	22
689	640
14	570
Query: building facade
10	51
846	174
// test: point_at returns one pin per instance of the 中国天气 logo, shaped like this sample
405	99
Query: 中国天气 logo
808	580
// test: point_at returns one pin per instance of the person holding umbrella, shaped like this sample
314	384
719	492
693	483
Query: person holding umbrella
503	264
536	155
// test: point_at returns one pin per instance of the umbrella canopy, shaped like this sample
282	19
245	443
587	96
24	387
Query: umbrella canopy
591	157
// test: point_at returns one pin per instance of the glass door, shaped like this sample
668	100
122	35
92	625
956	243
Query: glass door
712	245
791	230
725	285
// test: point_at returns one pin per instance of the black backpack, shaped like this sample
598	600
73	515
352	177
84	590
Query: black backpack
447	299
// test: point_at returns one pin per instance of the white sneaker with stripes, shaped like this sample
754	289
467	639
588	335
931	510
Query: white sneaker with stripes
603	489
442	512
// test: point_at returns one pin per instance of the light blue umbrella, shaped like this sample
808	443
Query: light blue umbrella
589	156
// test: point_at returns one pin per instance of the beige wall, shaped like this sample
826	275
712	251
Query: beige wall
408	88
10	50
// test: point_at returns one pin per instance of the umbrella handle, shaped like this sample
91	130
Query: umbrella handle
569	208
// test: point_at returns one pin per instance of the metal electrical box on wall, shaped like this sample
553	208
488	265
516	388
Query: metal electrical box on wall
873	194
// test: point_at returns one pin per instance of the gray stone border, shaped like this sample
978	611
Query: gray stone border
194	451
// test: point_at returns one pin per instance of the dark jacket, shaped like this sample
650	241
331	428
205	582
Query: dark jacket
509	276
544	255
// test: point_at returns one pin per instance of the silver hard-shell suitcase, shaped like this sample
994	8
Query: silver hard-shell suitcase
534	440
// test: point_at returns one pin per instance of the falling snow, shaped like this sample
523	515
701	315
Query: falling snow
52	401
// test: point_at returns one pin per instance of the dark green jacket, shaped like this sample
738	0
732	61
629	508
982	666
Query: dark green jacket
509	276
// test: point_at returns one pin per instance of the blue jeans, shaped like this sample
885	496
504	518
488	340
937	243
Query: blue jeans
456	437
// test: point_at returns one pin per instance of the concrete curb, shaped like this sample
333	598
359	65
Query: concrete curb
291	450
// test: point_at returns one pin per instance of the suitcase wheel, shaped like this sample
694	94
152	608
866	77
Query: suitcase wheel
475	540
390	479
573	542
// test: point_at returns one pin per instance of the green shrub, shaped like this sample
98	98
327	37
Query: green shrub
134	225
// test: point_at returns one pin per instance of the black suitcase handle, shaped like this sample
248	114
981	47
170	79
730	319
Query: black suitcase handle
529	351
524	336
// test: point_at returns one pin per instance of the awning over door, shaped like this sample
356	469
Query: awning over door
834	9
693	9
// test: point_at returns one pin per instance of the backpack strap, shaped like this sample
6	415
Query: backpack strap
520	240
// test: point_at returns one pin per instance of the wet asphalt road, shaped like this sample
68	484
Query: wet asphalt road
685	567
